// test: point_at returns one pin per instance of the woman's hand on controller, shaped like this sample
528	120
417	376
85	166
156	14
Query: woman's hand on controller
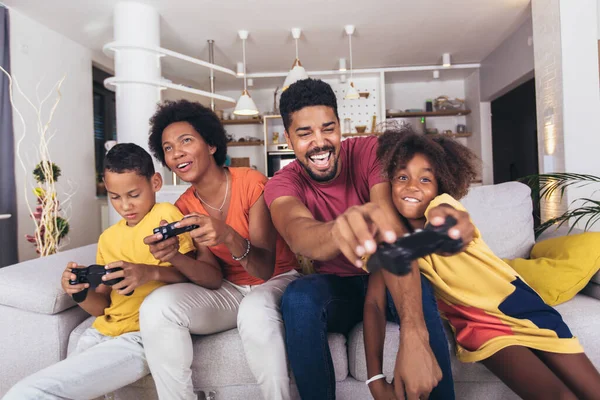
68	275
211	231
464	228
133	275
162	250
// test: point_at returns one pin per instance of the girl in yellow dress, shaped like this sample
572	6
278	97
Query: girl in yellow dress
496	317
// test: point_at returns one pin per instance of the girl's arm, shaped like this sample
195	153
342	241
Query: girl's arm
374	331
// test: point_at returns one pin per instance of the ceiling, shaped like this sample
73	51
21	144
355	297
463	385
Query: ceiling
388	32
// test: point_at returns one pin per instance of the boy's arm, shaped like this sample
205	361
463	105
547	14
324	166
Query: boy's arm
374	331
199	270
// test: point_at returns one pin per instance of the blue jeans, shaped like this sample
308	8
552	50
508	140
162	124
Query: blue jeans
316	304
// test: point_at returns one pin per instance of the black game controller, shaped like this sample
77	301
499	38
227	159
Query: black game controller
93	275
397	257
169	230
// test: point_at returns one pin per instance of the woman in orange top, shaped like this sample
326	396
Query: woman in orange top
237	238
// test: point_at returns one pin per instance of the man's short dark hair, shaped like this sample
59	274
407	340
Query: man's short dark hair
202	119
129	157
306	93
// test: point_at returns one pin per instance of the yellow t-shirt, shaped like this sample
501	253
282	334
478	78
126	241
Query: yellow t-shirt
124	243
488	305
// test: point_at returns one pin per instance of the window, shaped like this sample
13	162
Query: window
105	123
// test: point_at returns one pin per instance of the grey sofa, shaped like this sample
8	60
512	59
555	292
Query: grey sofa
41	324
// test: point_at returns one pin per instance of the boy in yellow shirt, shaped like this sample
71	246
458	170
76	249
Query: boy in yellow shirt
110	354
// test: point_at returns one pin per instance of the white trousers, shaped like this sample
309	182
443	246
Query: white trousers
100	364
171	313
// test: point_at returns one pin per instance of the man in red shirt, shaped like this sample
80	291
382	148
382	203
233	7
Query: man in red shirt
332	205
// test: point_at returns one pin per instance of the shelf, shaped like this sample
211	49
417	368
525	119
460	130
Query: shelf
453	135
361	134
240	144
446	113
247	121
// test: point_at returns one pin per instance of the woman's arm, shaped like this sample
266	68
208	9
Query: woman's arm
260	261
203	270
374	328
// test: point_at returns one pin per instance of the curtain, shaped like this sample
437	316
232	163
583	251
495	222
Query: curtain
8	200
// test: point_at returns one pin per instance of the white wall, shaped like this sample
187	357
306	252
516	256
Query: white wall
581	101
42	55
479	123
509	65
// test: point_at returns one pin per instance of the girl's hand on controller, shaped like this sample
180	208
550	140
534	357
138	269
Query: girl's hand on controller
68	275
133	275
162	250
464	228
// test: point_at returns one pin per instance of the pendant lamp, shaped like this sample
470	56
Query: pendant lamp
245	105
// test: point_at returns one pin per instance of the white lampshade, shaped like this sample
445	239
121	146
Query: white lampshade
351	92
446	60
296	74
245	105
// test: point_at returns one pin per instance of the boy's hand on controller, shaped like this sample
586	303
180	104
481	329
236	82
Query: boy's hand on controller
68	275
162	250
133	275
358	230
211	231
464	228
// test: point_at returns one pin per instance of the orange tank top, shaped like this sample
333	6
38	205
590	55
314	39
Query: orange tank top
247	186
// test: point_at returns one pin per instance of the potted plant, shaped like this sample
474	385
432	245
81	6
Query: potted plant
544	186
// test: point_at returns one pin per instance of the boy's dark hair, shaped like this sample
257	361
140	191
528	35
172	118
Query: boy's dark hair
306	93
129	157
455	166
202	119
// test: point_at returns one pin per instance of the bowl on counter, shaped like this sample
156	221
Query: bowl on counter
361	128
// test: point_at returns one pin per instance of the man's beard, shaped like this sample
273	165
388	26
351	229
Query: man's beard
321	178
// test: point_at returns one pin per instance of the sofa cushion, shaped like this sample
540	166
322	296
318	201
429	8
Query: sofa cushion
581	314
596	278
503	214
34	285
592	289
560	267
219	359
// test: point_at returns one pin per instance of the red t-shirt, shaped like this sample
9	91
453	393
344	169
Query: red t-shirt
247	185
360	171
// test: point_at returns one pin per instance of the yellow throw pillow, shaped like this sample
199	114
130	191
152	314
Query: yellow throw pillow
560	267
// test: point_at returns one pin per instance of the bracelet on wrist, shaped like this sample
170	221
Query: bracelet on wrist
245	253
374	378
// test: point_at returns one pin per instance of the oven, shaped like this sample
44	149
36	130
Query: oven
278	156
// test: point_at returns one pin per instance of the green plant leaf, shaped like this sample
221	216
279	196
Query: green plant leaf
40	176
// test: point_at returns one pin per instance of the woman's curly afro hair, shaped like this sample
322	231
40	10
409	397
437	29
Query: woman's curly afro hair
202	119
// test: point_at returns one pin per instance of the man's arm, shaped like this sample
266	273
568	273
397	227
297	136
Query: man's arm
354	233
305	235
414	347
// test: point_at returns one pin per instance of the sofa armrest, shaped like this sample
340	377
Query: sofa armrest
34	285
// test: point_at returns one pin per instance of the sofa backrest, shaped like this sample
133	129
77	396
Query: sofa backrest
503	214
